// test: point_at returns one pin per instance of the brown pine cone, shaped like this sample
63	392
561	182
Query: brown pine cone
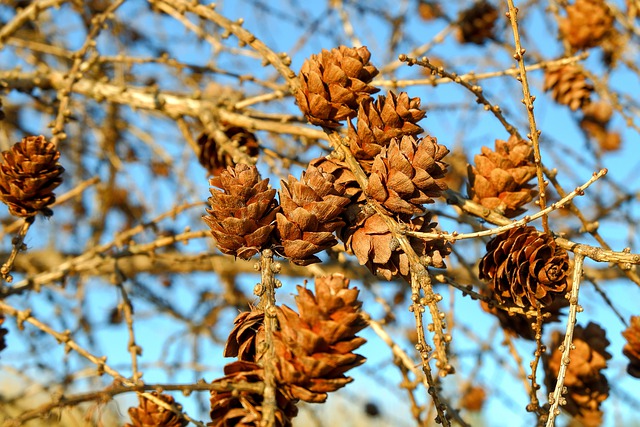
477	23
248	330
333	83
473	398
632	348
344	180
499	180
149	414
244	408
391	116
525	267
216	160
586	385
242	212
568	86
429	10
371	241
587	23
29	172
407	174
311	211
315	348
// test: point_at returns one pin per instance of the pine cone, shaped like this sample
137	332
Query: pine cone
407	174
477	23
311	211
215	160
568	86
315	348
242	211
632	348
473	398
333	83
244	408
587	23
248	330
586	386
29	172
344	180
391	116
524	264
429	10
149	414
371	241
499	179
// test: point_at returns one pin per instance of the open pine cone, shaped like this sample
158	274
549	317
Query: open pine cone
244	408
632	347
243	210
149	414
568	86
525	267
476	24
29	172
587	23
586	385
499	180
310	215
333	83
214	159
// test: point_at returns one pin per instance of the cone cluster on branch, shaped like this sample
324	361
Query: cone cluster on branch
499	179
587	23
631	348
243	211
477	23
568	86
29	172
333	83
313	351
216	160
150	414
595	123
525	267
586	385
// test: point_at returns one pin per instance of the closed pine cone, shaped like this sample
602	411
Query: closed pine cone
632	347
216	160
244	408
310	215
29	172
568	86
586	385
243	210
525	267
391	116
477	23
315	348
587	23
499	180
407	174
149	414
333	83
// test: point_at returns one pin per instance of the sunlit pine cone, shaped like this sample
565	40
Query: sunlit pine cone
333	83
243	210
407	174
315	348
311	210
149	414
499	179
429	10
525	267
344	180
632	347
216	160
379	121
29	172
587	387
595	123
371	241
587	23
568	86
247	332
477	23
235	408
519	325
